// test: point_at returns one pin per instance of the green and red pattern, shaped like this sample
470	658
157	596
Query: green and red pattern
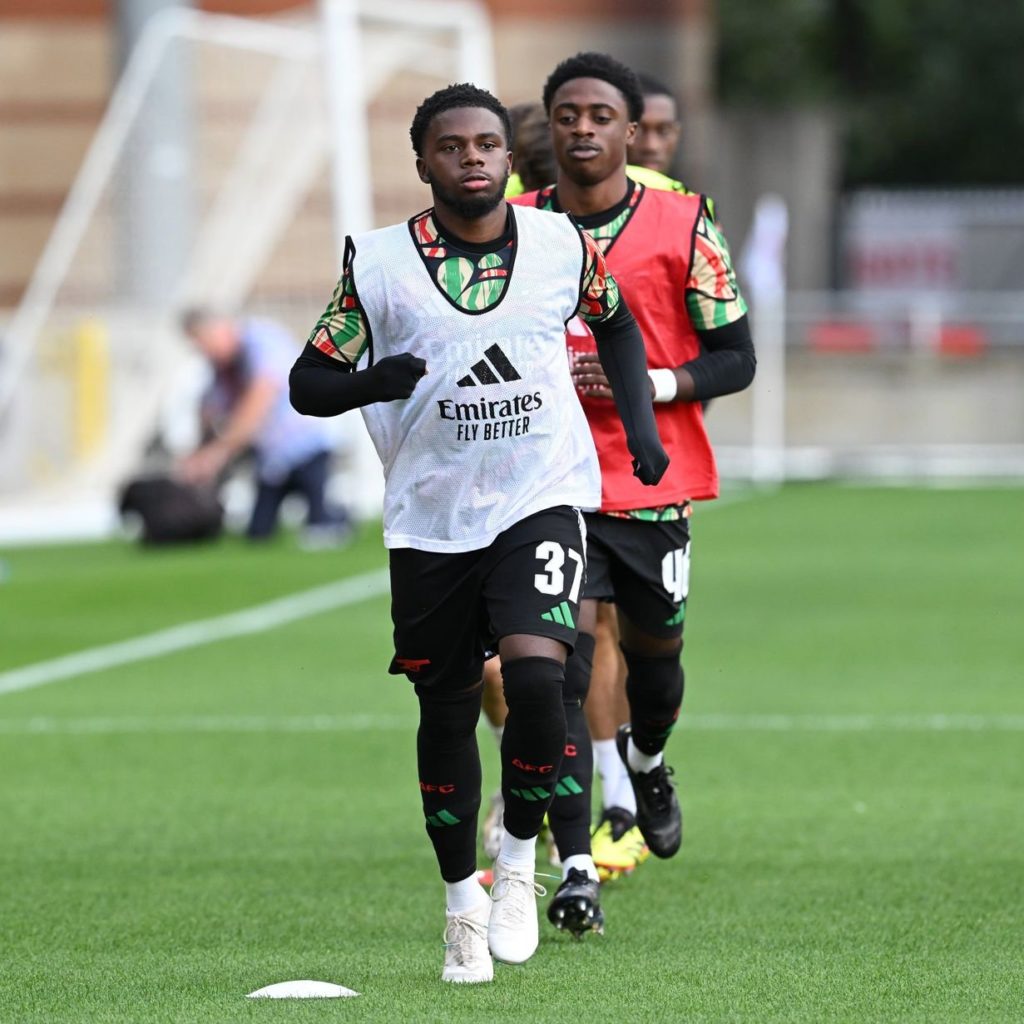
599	297
474	282
712	296
605	234
341	331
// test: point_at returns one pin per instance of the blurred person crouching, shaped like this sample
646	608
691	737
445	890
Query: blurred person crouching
246	409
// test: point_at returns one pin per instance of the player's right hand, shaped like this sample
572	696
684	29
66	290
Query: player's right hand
396	376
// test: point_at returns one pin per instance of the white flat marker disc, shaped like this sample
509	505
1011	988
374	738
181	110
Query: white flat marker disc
302	990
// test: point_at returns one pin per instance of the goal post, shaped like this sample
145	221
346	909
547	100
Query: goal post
281	157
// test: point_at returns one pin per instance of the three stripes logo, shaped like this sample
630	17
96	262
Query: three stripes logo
677	618
568	786
562	614
441	819
565	787
498	369
532	794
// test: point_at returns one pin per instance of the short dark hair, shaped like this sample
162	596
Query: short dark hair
598	65
533	157
461	95
651	86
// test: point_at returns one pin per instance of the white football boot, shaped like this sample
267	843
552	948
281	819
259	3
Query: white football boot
466	959
513	933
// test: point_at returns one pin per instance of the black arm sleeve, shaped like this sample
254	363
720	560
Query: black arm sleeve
620	347
322	386
727	362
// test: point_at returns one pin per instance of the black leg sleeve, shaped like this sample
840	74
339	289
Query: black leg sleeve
569	813
533	741
654	688
450	778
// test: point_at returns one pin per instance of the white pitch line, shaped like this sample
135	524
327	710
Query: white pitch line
257	619
918	722
40	725
324	723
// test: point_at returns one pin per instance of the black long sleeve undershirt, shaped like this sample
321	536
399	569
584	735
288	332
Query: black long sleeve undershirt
322	386
620	347
727	361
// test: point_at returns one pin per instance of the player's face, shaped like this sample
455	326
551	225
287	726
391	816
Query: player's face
657	135
466	160
590	129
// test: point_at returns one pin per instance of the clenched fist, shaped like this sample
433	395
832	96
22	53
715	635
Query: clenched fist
395	377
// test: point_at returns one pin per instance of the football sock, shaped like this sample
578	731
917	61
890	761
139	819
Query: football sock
465	895
581	862
450	777
654	688
569	813
641	762
624	795
614	781
531	748
518	853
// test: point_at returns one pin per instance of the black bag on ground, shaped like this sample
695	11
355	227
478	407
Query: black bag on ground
172	511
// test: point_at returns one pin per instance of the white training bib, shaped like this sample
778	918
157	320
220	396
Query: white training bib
494	431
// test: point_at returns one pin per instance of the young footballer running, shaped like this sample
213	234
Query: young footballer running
487	456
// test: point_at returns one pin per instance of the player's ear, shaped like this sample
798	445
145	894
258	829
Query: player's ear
421	170
631	128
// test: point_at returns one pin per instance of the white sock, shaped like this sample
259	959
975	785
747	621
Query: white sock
581	862
641	762
465	895
518	853
611	770
624	795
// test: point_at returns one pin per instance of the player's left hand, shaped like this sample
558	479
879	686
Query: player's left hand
589	377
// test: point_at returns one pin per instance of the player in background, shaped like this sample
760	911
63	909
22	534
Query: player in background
658	131
487	458
657	138
533	160
673	265
618	846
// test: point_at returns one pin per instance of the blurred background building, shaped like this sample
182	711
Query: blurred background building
160	153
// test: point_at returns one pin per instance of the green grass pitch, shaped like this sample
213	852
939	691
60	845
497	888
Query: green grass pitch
181	830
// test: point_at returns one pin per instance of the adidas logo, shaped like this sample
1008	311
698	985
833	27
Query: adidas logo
677	618
498	369
562	614
441	819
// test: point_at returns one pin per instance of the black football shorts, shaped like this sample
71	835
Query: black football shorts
450	610
643	566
